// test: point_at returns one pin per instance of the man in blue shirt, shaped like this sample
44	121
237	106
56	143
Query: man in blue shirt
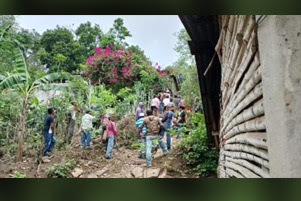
48	132
167	121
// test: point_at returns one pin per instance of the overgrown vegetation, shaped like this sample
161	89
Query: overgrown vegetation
96	70
18	175
62	170
195	150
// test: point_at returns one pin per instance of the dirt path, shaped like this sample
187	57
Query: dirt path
92	164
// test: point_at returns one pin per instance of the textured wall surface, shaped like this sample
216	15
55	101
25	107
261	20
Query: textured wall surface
243	149
279	39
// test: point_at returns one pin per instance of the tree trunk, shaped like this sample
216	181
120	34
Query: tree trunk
22	130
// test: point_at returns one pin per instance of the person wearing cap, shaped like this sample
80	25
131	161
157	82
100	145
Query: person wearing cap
167	121
86	127
141	139
139	110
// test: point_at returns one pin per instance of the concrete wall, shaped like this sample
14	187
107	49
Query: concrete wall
45	96
279	39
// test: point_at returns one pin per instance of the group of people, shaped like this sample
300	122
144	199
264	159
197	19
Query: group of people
166	111
160	118
108	128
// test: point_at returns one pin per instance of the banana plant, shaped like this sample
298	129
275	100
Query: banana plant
4	33
21	80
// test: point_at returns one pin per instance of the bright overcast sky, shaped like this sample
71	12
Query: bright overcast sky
153	33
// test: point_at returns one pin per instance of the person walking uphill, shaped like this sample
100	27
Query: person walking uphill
141	140
180	121
112	135
73	109
48	132
139	110
167	122
155	105
153	125
86	129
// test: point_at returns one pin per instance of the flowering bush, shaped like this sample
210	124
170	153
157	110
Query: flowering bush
119	68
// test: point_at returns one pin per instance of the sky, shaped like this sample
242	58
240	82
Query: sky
152	33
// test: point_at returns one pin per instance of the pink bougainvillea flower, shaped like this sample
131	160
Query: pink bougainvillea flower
125	69
112	80
89	60
97	50
114	71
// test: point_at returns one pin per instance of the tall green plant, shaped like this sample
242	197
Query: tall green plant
22	81
195	150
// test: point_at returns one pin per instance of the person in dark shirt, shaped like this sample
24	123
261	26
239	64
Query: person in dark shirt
181	120
197	106
176	101
167	121
48	132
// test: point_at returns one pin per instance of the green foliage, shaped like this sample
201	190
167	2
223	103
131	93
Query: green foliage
8	31
186	68
9	114
102	97
120	32
11	148
190	87
88	36
18	175
182	47
62	170
194	149
149	76
60	50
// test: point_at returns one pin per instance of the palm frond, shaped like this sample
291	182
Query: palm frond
51	78
11	81
48	78
20	64
2	77
4	32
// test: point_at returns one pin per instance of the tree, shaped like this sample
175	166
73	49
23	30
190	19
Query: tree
8	30
116	36
186	68
60	42
119	68
182	48
119	31
22	81
89	36
30	41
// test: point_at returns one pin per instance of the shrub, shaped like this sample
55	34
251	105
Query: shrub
61	170
195	150
119	68
127	133
18	175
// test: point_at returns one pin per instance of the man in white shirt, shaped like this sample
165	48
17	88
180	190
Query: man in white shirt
86	128
166	100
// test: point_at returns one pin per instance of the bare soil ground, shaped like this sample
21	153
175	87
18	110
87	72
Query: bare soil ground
92	164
